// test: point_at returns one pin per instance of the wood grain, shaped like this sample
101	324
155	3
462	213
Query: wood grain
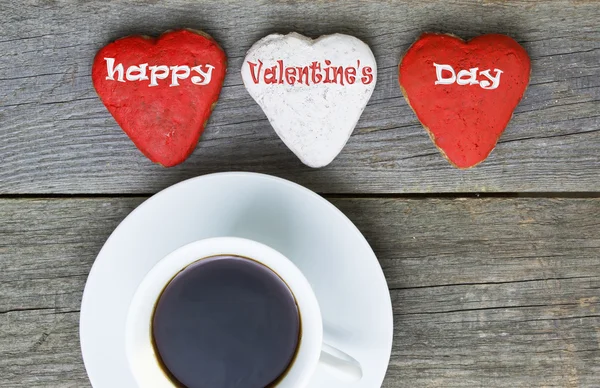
486	292
57	137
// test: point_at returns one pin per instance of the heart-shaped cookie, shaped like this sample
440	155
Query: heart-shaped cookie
312	91
464	93
161	91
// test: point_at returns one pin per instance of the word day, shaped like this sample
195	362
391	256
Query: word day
315	73
466	77
177	73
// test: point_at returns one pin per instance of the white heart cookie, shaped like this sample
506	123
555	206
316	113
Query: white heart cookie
312	91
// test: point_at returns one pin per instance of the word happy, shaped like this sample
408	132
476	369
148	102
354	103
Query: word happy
313	74
466	77
174	73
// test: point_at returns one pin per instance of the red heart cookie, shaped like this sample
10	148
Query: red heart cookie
161	91
464	93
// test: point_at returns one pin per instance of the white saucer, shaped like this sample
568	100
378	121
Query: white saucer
316	236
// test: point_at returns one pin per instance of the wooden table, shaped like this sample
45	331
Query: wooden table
494	272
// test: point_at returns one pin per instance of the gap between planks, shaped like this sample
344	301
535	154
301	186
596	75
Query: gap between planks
458	195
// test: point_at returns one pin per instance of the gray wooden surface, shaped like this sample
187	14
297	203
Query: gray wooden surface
486	292
497	291
57	137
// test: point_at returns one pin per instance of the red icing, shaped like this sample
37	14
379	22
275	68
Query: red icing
464	121
165	122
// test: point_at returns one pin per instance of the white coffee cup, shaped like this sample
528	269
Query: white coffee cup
311	350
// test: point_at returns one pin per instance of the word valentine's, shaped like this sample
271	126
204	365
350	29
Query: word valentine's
174	73
315	73
466	77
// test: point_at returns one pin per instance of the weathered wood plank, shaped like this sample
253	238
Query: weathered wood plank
56	136
486	292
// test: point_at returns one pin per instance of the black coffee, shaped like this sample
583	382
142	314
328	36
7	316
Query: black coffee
226	322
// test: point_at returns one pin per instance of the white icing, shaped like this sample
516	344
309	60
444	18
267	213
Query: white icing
439	74
312	91
471	74
161	72
205	76
177	73
495	80
140	72
158	72
445	75
111	70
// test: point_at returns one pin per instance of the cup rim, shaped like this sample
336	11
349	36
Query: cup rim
141	356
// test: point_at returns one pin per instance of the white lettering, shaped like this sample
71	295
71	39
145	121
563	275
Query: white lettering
495	80
467	77
205	76
179	72
111	70
139	70
438	73
158	72
471	74
116	72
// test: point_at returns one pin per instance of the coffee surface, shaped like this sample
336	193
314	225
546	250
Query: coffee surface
226	322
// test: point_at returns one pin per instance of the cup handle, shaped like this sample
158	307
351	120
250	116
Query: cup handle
340	364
